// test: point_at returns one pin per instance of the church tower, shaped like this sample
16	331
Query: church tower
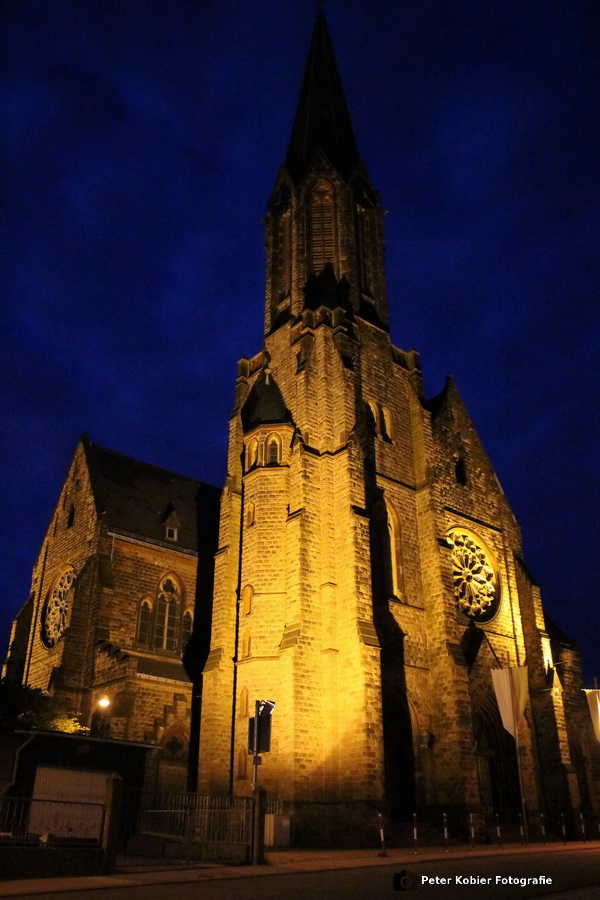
369	571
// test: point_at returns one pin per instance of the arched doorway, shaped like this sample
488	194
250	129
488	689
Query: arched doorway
496	765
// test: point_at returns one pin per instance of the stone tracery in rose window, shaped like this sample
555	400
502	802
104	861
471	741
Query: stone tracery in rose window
57	609
475	580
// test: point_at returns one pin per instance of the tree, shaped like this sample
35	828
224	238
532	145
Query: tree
22	706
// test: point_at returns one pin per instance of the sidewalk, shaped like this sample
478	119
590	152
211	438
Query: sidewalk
278	862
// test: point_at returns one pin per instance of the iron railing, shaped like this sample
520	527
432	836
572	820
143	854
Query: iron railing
34	821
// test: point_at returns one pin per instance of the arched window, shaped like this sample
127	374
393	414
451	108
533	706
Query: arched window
272	452
322	226
167	616
247	595
372	414
396	562
460	469
242	762
243	706
246	645
250	514
186	627
252	455
71	516
386	424
144	623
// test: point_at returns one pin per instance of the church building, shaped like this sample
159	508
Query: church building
369	575
368	571
123	577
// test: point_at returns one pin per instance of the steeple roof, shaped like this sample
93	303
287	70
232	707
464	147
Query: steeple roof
264	404
322	118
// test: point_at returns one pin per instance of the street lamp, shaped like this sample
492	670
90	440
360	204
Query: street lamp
100	725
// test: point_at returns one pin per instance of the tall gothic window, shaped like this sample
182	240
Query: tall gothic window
285	255
282	242
322	226
272	451
396	562
145	622
366	250
366	235
167	616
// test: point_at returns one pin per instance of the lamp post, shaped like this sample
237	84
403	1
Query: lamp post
100	725
259	741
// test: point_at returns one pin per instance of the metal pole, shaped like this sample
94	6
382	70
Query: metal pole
255	756
512	698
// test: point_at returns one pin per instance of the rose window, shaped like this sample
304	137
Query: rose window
475	581
57	609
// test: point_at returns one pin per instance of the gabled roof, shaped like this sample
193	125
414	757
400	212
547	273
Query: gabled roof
264	404
136	498
322	119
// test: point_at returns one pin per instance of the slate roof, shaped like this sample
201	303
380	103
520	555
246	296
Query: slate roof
137	498
322	119
264	404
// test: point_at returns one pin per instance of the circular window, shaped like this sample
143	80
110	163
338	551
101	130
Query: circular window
476	585
57	609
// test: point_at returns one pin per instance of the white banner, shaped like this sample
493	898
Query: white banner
593	699
510	686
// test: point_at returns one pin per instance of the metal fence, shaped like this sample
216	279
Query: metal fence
219	828
26	821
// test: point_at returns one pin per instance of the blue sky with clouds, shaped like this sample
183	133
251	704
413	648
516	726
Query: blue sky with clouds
139	145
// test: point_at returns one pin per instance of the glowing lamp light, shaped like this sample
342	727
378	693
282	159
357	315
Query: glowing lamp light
103	702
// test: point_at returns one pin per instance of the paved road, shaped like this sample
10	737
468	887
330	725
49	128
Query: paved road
575	872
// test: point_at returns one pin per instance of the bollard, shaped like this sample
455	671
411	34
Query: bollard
521	829
564	830
543	826
446	831
472	829
415	845
382	851
498	830
582	825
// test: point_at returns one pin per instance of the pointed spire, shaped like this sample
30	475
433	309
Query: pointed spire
322	118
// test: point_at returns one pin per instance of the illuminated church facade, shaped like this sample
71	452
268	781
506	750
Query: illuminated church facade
369	574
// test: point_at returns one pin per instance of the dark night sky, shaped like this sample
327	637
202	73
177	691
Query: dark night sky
139	143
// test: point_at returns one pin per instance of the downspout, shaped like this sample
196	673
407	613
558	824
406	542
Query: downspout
16	764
